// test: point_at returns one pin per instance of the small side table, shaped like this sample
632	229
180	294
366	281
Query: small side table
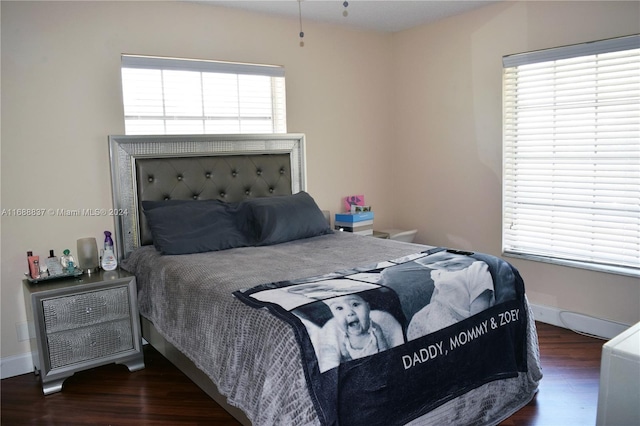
81	323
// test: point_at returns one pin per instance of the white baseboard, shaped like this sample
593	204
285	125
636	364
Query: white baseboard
16	365
23	364
598	327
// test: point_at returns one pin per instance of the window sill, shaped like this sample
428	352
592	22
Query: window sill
598	267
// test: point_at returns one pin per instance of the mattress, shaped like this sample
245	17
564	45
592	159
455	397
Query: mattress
252	356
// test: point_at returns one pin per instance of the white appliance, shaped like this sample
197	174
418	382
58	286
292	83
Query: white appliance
619	394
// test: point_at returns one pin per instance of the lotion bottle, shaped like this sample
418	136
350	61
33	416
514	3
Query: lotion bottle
109	261
34	265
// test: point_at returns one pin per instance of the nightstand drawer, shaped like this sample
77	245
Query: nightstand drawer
82	323
80	310
70	347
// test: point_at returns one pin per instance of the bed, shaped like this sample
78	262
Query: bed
213	313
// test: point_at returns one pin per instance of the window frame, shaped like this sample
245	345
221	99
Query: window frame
566	52
203	71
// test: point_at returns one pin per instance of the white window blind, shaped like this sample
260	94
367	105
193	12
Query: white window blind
182	96
571	133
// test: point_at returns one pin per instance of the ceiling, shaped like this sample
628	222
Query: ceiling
380	15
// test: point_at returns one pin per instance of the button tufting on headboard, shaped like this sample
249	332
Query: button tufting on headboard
210	177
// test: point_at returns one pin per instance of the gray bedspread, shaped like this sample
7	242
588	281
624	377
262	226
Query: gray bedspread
251	355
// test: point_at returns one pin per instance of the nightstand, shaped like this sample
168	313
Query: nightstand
81	323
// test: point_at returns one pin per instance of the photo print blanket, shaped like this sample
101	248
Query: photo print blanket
384	344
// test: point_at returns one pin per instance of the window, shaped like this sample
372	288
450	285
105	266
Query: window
571	133
181	96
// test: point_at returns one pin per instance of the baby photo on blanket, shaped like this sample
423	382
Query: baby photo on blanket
352	326
346	318
363	312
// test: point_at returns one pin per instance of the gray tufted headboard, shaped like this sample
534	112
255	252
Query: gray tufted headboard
200	167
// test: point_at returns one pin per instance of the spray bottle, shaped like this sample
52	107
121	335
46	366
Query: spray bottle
109	261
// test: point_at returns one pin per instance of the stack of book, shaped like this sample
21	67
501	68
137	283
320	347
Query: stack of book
358	223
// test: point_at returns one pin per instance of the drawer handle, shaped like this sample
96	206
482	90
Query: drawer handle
88	310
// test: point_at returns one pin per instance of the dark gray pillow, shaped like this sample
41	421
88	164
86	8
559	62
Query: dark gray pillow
193	226
274	220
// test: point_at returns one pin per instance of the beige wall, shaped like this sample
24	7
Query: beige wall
61	97
448	136
426	101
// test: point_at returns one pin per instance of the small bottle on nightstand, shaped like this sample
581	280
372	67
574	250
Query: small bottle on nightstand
109	261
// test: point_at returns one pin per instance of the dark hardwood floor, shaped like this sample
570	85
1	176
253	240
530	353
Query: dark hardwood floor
162	395
568	392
